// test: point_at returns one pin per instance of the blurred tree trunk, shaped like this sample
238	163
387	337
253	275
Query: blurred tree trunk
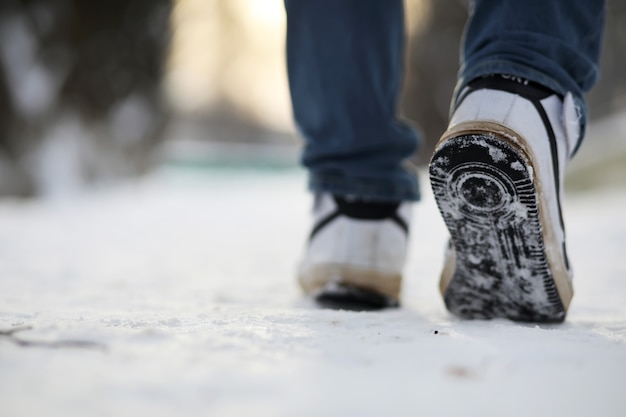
609	95
95	65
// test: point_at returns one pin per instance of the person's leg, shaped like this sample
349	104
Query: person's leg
555	43
497	172
345	61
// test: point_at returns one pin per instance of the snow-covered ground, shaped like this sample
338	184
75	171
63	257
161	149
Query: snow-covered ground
175	295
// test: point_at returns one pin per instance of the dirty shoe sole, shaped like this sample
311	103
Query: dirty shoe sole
347	297
498	266
346	287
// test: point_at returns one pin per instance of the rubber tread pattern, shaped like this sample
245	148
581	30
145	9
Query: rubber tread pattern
485	192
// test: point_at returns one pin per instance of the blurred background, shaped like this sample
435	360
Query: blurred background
96	91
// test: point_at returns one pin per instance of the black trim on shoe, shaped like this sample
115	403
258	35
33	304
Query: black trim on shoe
530	90
366	210
400	222
323	223
362	210
555	166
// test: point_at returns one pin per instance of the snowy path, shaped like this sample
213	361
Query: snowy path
175	296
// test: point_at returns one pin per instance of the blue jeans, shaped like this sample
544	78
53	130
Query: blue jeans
345	61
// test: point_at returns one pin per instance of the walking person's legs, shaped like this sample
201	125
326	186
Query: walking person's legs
518	117
345	61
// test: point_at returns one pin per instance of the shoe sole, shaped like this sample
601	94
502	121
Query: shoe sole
485	190
344	286
346	297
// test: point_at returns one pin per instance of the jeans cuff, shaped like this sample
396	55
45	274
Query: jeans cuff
405	188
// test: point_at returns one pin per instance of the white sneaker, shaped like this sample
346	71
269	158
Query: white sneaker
497	178
356	253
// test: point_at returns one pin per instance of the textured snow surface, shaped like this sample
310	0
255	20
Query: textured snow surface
176	296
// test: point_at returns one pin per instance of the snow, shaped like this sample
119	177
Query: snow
176	295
